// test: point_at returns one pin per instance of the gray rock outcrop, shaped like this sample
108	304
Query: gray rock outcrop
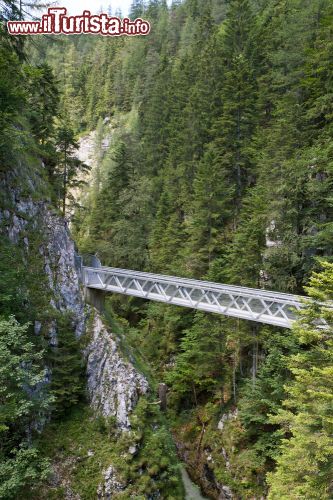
114	385
56	250
110	485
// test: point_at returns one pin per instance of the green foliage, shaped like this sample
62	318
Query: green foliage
20	374
67	442
25	468
84	446
67	366
198	366
22	399
307	413
12	293
263	398
43	100
155	467
120	213
68	166
12	101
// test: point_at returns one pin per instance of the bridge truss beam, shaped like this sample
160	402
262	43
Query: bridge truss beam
262	306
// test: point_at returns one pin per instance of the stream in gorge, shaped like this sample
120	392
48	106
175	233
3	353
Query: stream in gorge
192	491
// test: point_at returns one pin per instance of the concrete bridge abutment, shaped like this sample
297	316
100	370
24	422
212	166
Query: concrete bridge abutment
95	298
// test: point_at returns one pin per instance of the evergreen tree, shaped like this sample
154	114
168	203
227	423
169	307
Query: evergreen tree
43	101
234	129
68	165
211	213
137	9
199	365
67	368
307	413
20	375
12	103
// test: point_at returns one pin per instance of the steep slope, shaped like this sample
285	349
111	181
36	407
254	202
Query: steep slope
113	385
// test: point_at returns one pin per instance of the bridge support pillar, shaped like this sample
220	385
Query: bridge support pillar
95	298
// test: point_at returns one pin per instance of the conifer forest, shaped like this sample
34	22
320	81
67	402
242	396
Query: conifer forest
202	150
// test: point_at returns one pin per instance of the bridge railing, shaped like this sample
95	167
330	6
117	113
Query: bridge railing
258	305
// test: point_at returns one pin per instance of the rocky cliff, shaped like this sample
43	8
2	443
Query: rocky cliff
21	222
113	384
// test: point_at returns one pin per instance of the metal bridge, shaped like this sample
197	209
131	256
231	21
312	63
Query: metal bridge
272	308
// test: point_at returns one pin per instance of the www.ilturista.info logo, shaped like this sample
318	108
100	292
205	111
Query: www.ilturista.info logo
56	22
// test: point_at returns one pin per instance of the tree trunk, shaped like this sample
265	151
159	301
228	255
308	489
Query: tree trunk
162	395
195	395
200	441
234	377
65	184
254	356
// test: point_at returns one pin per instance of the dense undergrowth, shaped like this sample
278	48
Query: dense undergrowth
81	447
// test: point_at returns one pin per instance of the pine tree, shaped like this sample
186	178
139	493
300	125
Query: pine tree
307	416
199	364
245	255
68	165
234	129
67	368
287	158
210	215
43	100
137	9
12	104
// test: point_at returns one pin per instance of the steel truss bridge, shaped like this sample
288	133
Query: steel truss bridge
272	308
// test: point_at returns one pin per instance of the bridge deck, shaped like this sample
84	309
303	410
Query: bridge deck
262	306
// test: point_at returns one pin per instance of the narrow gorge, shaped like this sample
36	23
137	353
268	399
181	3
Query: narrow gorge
201	151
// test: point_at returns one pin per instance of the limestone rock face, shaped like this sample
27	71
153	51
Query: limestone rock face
226	493
57	252
59	257
225	417
20	224
110	485
114	385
